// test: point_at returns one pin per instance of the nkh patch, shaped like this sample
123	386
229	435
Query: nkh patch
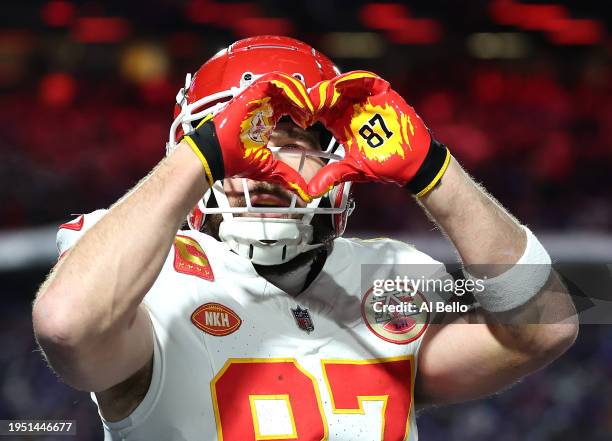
189	258
216	319
75	225
302	319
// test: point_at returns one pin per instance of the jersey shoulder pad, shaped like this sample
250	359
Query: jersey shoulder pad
69	232
191	255
393	251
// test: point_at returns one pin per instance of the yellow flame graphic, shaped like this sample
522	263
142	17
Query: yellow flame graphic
396	124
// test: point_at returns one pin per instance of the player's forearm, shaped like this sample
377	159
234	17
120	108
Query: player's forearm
496	349
99	284
481	230
490	358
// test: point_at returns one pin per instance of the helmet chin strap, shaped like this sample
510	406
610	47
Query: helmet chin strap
267	241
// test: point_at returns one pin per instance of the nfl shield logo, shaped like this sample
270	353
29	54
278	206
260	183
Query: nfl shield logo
302	319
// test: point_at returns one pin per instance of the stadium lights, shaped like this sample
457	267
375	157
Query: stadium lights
394	19
100	29
57	13
499	45
354	44
553	19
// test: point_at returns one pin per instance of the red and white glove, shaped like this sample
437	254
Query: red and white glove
233	142
384	139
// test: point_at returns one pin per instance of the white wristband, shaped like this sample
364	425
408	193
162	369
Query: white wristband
520	283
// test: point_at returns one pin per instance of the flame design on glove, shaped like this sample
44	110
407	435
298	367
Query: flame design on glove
362	114
384	139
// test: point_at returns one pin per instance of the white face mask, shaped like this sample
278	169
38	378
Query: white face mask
265	241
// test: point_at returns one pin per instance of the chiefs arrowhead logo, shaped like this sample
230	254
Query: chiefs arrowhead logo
259	128
75	225
401	326
216	319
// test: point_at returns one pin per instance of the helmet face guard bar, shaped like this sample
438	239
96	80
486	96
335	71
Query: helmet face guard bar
333	152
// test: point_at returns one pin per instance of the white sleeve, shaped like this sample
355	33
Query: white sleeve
120	429
70	232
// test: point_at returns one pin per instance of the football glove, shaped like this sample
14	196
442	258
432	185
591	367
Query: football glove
384	139
232	143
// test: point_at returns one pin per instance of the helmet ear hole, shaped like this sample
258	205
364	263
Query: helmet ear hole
246	79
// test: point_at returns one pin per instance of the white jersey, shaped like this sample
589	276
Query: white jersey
236	358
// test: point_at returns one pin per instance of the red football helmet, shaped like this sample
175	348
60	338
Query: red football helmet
213	85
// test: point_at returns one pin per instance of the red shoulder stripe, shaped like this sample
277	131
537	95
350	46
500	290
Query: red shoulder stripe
75	225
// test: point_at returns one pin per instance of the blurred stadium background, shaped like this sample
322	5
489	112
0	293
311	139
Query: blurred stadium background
520	91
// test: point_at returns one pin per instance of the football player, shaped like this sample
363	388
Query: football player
260	321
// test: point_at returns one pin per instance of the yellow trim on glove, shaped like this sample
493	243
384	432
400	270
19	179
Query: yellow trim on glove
354	75
203	160
205	119
302	89
292	96
439	175
305	196
348	77
322	94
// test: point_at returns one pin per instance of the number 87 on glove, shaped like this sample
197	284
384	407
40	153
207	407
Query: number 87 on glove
383	137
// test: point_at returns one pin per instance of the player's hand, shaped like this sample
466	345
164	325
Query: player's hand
384	139
233	142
